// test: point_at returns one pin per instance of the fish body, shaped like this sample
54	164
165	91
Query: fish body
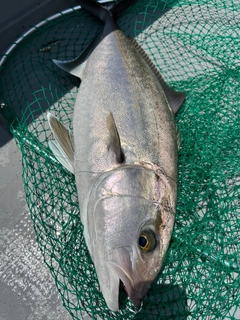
124	157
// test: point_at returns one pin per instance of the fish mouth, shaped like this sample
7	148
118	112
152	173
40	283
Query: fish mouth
135	291
135	296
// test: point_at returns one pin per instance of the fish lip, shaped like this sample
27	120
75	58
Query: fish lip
135	295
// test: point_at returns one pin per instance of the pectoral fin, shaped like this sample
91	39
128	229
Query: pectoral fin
114	139
63	147
61	155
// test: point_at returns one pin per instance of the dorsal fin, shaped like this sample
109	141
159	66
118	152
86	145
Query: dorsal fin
63	147
114	141
175	98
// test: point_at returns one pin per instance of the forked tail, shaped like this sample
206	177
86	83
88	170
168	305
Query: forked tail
102	13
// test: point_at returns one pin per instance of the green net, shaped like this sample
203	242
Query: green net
196	45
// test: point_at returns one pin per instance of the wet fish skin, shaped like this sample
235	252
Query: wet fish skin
123	203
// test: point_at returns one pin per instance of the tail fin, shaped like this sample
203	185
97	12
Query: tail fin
76	66
102	13
121	6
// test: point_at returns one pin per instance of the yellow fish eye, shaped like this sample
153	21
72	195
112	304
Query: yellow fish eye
147	241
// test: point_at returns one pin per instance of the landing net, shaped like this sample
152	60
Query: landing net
196	46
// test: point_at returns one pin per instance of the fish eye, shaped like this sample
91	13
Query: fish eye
147	241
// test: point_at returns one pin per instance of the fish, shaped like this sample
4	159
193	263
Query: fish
123	152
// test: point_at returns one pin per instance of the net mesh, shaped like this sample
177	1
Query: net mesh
195	44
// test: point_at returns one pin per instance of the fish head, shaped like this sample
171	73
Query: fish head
133	211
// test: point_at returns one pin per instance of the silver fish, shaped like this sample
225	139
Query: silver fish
124	156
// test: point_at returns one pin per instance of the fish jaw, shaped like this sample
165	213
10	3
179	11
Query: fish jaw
116	274
135	289
111	292
136	281
119	272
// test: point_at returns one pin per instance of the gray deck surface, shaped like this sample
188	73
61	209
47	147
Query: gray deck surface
27	290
